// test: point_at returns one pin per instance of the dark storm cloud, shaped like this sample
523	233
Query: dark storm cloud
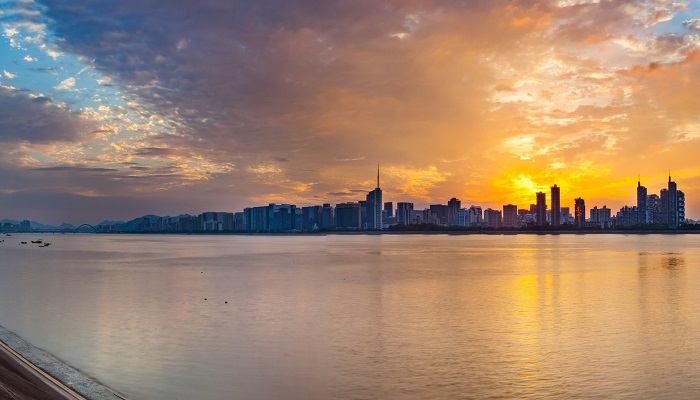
34	119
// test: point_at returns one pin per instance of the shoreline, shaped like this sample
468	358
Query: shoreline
20	379
390	232
29	373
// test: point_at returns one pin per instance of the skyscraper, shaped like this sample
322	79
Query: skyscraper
672	209
601	216
556	206
327	216
541	209
348	215
492	218
374	207
403	213
389	209
510	215
452	206
641	203
654	209
580	212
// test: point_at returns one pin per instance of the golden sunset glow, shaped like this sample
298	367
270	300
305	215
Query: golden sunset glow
488	102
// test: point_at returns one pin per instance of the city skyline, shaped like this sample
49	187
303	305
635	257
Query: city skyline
119	109
652	210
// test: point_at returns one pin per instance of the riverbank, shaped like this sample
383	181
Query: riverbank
27	372
20	379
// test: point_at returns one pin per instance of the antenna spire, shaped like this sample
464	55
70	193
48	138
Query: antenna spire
377	175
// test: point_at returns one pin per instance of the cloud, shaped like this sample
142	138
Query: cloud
153	152
692	24
72	168
299	100
8	75
66	84
29	58
34	119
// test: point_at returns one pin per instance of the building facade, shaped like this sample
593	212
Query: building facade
579	212
510	215
541	209
556	205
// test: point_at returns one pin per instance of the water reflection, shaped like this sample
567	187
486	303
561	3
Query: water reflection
673	262
364	317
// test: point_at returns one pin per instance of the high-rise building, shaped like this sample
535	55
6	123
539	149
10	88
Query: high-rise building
389	209
238	219
681	208
311	218
216	221
403	212
492	218
566	217
439	214
664	206
579	213
462	218
672	210
627	216
373	206
256	219
510	215
541	209
282	217
475	216
556	206
601	216
327	217
25	226
348	215
654	209
641	203
452	206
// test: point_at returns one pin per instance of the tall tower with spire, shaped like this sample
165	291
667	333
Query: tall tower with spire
672	209
374	207
642	217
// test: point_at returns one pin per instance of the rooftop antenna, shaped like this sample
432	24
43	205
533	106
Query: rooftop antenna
377	175
669	175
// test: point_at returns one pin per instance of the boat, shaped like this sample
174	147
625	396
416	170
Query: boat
37	241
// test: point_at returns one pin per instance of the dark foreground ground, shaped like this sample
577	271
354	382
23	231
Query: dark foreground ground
19	381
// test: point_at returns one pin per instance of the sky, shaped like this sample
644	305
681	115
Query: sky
116	109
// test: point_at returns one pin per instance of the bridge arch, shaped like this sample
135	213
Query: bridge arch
86	226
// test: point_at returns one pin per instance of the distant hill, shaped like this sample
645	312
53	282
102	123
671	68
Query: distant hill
35	225
147	220
109	223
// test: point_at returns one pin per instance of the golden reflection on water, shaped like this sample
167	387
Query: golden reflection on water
535	316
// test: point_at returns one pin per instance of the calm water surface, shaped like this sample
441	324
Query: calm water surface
364	317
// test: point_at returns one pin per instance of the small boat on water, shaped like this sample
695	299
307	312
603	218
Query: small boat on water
22	242
37	241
